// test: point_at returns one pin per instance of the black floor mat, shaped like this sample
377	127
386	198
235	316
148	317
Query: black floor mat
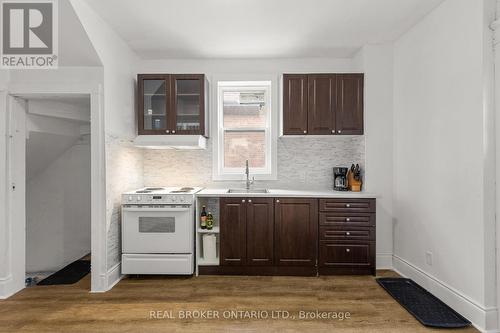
70	274
424	306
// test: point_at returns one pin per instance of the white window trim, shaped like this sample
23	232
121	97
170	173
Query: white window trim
219	173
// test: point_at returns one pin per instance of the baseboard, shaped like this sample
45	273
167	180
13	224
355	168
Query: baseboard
113	276
5	289
484	319
384	261
9	286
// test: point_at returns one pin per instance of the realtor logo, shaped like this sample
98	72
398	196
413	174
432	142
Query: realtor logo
29	34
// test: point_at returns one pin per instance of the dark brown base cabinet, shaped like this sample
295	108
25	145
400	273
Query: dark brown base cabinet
347	236
246	229
296	232
295	236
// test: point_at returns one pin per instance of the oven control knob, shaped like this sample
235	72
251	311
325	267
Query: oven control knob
138	198
182	199
130	198
174	198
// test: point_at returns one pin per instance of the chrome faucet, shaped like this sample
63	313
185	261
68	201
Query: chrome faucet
247	172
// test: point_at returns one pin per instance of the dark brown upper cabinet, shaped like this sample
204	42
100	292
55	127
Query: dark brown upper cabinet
322	104
295	103
349	115
170	104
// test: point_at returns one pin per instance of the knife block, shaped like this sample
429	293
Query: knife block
353	184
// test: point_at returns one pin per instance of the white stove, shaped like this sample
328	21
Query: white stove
160	196
158	230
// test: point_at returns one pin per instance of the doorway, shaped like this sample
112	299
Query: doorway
58	177
16	220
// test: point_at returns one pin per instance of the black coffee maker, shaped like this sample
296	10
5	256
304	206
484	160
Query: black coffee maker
340	178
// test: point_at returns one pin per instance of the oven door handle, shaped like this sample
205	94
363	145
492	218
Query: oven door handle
152	209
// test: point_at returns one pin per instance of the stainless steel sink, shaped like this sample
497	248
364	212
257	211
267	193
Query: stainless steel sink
244	190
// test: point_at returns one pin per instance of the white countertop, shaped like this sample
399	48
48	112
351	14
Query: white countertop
222	192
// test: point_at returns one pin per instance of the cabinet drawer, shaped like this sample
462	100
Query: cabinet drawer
347	220
157	264
357	255
347	205
347	234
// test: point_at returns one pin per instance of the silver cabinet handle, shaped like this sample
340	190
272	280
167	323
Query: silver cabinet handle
249	200
333	131
167	131
348	220
243	200
347	250
305	132
339	131
348	233
278	201
173	132
347	205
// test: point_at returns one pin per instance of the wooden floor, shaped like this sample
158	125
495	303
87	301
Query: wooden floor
128	306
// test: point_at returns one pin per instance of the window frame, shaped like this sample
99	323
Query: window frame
269	172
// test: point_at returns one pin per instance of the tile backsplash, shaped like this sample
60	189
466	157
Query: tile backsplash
303	162
124	172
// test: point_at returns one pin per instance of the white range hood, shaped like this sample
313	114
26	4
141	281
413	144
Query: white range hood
182	142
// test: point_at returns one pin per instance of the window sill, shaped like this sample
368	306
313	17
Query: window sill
242	178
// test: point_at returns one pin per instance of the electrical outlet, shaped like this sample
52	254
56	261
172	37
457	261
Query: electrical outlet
428	258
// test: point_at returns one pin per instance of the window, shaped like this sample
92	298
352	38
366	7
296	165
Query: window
244	130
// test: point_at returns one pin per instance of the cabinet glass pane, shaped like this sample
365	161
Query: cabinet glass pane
155	113
188	86
188	104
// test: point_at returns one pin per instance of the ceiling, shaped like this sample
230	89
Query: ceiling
157	29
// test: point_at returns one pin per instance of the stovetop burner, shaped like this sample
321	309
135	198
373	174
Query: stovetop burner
164	191
183	190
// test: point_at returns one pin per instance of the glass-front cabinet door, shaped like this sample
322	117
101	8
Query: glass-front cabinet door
189	103
171	104
154	99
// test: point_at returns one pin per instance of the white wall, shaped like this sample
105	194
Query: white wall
376	61
441	158
245	66
4	240
58	210
118	64
496	27
123	161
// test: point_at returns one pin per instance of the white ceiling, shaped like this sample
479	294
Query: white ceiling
158	29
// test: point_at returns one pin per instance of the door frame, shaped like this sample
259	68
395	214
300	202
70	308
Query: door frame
13	277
